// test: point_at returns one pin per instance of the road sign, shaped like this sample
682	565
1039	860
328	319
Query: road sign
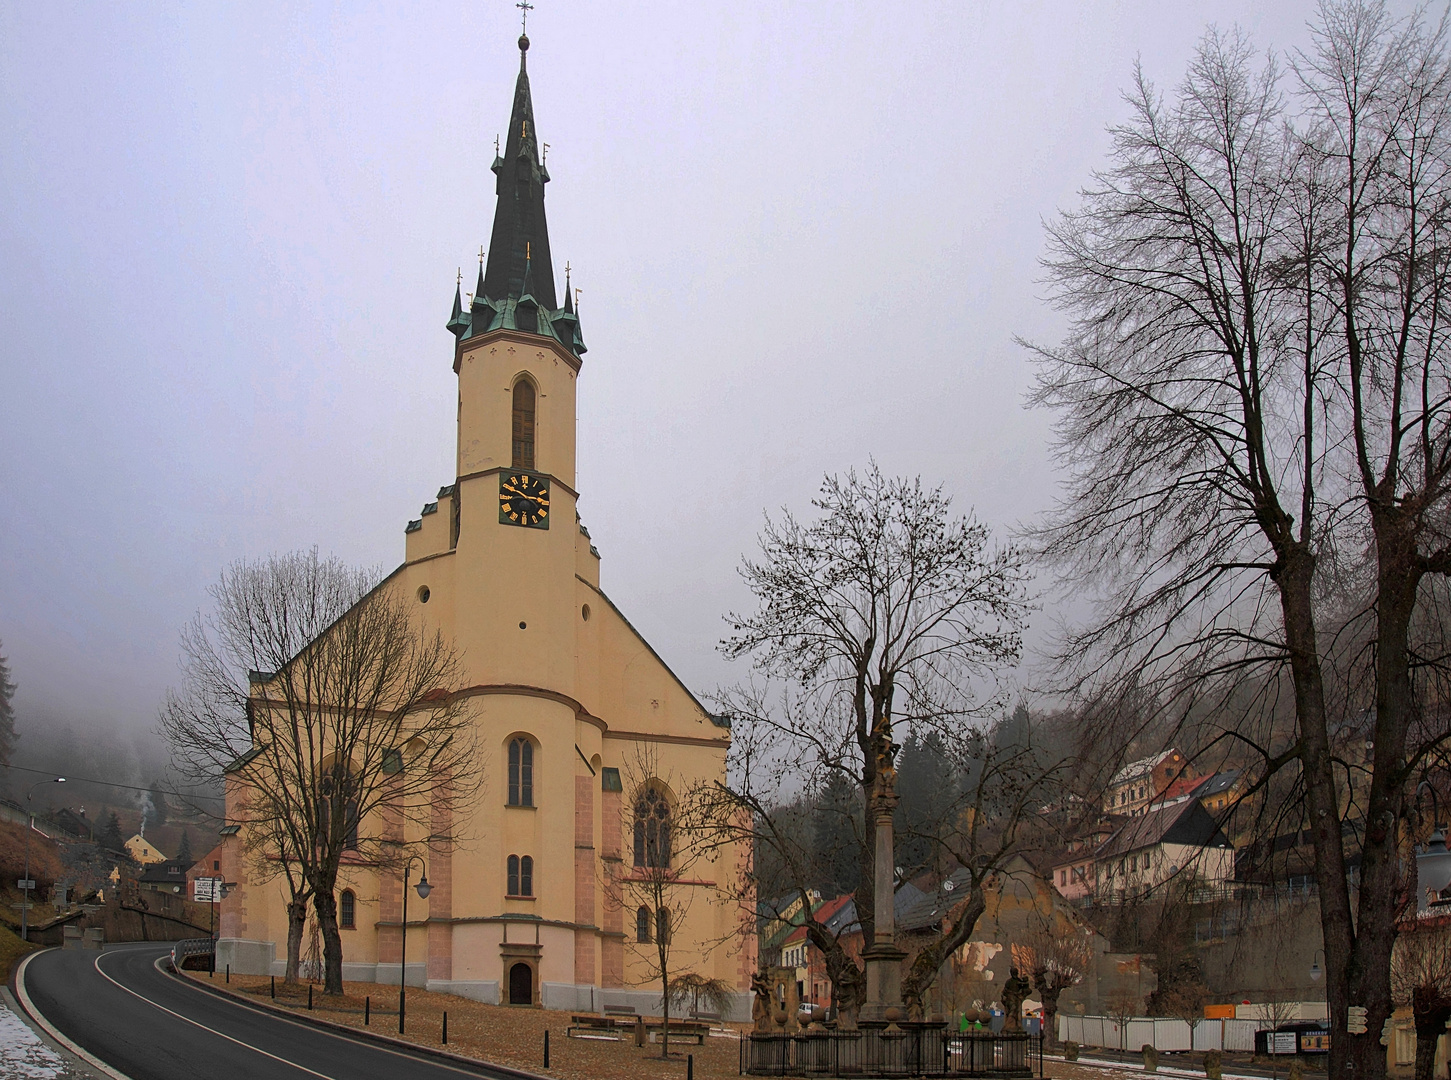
1356	1022
206	890
25	884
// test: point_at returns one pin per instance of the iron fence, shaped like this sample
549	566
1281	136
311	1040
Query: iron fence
906	1050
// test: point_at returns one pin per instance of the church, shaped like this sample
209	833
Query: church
564	691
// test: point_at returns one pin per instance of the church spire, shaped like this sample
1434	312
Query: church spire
520	240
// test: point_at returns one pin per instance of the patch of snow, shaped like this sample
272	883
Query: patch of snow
23	1056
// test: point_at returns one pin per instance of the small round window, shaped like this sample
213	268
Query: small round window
423	594
584	613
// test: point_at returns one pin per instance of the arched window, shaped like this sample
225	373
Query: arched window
521	772
652	829
662	925
523	424
513	875
526	876
642	926
348	910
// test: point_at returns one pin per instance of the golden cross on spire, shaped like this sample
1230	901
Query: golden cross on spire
481	254
566	267
526	8
460	275
496	146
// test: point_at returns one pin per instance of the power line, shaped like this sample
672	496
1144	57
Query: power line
184	799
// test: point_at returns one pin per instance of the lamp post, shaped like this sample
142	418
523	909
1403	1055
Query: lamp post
25	883
424	888
1316	971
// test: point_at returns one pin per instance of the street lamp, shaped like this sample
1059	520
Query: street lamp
25	883
424	888
1316	971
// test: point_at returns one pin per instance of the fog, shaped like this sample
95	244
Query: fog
805	235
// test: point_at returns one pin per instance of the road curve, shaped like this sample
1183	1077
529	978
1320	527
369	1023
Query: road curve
149	1025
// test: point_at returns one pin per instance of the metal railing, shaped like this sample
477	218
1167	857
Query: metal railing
191	947
907	1050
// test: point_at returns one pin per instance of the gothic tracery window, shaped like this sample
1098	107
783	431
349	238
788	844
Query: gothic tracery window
652	829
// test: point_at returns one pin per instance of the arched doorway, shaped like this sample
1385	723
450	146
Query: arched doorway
521	985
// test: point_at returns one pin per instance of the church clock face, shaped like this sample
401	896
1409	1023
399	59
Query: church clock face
523	500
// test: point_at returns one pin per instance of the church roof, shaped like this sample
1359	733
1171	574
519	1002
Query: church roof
516	288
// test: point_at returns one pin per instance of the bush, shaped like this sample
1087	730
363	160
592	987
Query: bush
1213	1065
1151	1058
1070	1051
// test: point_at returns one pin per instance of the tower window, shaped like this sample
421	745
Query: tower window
523	424
520	874
521	772
348	910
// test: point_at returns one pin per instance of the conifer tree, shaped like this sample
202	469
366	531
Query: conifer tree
160	812
7	712
111	838
183	853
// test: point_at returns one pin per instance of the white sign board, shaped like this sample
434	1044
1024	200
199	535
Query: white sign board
206	890
25	884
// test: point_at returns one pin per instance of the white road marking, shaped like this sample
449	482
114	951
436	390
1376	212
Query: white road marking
506	1070
214	1031
51	1030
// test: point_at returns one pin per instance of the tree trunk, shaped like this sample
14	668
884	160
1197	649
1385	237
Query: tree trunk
326	906
1049	996
1431	1011
664	995
296	927
1294	578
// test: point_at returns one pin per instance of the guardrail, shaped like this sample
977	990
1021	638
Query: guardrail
187	947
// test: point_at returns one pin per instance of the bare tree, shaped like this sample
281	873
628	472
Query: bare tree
1421	978
1254	393
657	885
347	733
1122	1006
1056	958
881	612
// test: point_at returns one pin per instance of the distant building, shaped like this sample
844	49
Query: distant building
1167	841
73	824
167	876
1141	782
143	851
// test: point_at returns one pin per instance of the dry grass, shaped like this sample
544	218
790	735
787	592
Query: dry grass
499	1033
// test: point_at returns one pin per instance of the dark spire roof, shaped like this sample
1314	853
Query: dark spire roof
458	321
519	225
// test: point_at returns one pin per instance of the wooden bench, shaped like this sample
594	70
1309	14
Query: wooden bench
598	1027
679	1029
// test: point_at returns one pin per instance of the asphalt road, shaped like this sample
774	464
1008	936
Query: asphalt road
150	1026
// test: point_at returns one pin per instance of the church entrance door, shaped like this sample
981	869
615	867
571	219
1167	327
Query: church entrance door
521	985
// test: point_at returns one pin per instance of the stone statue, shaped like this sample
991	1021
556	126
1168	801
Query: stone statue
1015	992
762	1006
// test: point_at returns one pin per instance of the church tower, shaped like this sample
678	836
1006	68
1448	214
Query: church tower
564	693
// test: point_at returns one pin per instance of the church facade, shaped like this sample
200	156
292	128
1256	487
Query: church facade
565	693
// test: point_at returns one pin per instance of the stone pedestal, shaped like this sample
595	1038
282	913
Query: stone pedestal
884	981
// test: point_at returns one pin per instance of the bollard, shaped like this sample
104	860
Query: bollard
229	973
689	1067
274	988
546	1048
367	1010
445	1027
309	997
401	1006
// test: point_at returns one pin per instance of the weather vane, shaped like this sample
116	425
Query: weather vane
460	275
526	8
481	254
546	152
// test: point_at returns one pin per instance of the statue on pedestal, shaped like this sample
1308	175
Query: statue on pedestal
1015	992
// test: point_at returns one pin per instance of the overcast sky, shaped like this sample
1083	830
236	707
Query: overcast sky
806	234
